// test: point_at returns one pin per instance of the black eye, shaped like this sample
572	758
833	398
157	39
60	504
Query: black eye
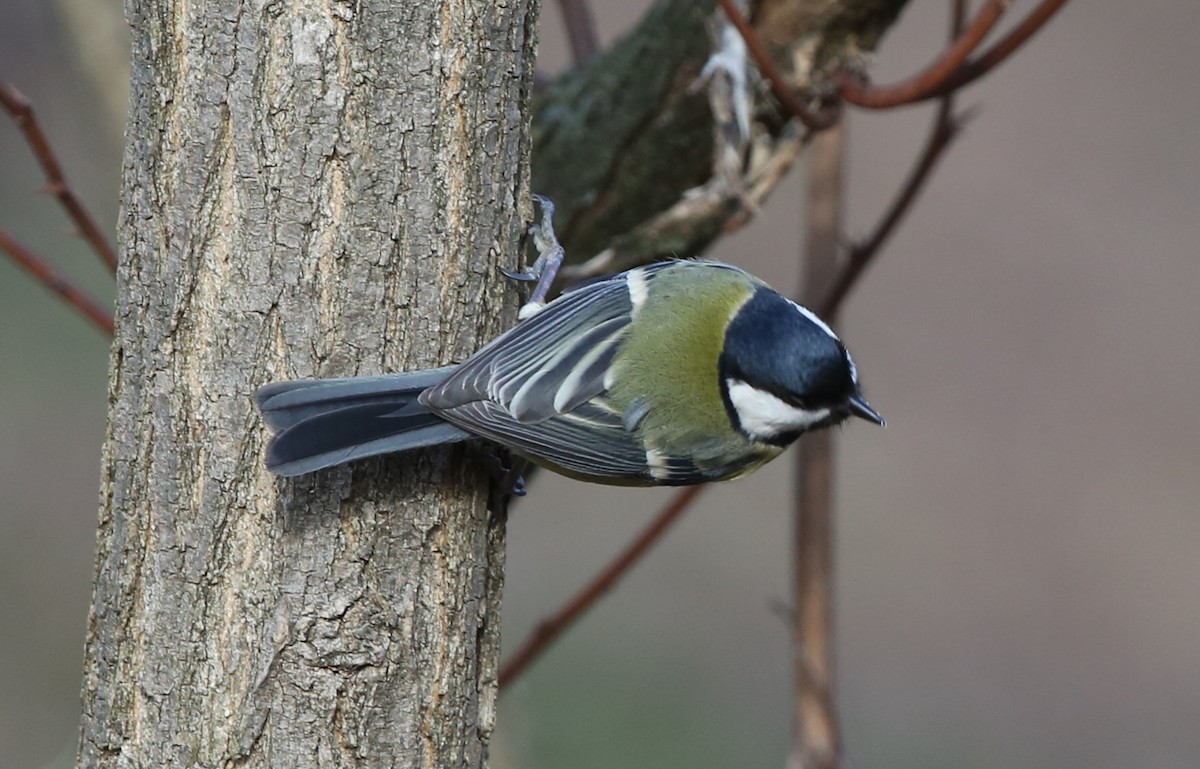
800	403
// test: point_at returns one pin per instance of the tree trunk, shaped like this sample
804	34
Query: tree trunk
310	189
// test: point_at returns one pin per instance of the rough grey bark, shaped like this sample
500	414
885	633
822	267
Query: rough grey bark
310	189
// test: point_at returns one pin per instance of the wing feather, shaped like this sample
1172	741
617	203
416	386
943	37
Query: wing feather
557	358
573	443
540	389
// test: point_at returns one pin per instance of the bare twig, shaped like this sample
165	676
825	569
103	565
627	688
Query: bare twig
928	82
15	103
817	742
581	29
1004	47
946	127
958	18
552	627
815	121
57	282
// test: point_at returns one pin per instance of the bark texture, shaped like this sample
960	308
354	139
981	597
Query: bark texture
310	189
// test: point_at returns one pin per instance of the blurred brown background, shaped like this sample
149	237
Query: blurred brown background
1019	580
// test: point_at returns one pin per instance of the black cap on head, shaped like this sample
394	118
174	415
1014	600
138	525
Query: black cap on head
773	345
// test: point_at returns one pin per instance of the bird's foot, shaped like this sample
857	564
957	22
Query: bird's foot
550	258
508	476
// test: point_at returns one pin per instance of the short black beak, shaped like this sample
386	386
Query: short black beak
861	409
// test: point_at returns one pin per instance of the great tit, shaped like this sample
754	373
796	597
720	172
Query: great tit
677	373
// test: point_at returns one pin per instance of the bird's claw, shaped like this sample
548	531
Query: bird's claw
550	258
508	477
524	277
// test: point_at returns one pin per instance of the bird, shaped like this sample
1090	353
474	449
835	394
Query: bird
675	373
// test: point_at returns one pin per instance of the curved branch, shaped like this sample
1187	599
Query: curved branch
817	121
928	82
1005	47
17	106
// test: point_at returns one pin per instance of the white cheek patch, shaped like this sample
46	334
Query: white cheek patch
765	417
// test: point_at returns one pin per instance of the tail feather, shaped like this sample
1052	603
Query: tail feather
324	422
286	403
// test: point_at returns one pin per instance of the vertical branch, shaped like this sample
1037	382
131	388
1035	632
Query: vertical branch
945	129
817	742
581	30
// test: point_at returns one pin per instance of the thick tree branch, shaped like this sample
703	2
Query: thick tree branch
280	221
814	121
646	187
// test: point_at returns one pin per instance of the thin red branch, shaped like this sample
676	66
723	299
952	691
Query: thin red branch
16	105
1004	47
57	282
581	29
813	121
926	83
945	128
552	627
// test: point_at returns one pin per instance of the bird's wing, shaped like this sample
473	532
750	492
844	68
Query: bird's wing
550	363
590	442
541	388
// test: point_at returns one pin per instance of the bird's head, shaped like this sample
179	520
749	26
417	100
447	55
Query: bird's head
784	372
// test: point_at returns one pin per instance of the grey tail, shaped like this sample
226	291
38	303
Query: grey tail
319	423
